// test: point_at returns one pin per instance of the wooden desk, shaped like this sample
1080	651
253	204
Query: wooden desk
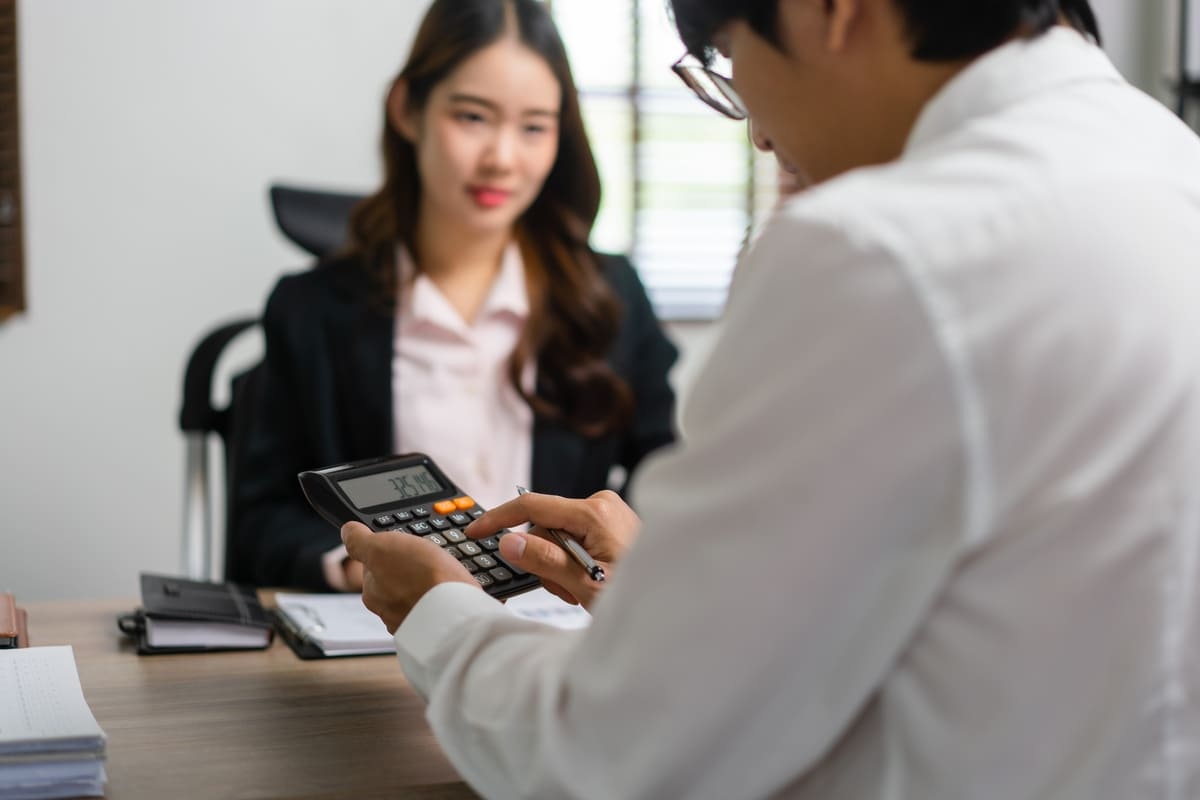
247	725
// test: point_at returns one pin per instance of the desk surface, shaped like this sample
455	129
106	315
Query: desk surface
247	725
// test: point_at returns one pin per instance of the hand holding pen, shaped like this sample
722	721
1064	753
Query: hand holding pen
602	526
573	548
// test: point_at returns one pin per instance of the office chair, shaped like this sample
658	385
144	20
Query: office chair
315	221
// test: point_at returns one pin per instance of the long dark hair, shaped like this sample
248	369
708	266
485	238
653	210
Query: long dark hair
574	314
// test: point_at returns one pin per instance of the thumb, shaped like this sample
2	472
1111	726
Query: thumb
357	538
537	555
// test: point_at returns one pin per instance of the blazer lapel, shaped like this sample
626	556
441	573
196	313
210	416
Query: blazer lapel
557	458
367	385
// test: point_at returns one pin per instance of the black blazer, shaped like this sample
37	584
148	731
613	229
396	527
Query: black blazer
324	396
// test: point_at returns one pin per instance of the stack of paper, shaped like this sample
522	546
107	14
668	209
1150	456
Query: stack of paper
50	744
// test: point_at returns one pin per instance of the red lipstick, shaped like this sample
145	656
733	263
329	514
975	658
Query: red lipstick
488	197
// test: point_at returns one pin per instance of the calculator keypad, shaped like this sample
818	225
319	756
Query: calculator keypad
440	524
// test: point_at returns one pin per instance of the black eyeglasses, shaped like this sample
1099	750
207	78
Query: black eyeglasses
712	87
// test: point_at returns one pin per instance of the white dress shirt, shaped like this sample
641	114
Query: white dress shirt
934	530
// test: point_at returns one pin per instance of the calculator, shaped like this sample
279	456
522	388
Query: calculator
410	494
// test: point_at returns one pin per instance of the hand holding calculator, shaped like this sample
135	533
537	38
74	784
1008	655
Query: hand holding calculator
410	494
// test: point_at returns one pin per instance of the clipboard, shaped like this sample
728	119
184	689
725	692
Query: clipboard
318	626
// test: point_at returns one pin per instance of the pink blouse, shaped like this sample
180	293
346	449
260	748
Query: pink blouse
451	395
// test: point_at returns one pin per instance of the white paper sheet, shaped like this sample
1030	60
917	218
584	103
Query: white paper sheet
41	703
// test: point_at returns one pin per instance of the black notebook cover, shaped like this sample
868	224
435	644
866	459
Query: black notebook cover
211	606
303	647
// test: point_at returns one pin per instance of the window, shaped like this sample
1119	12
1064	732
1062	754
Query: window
682	184
1187	73
12	278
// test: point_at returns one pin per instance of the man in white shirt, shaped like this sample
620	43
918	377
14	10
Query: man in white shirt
934	529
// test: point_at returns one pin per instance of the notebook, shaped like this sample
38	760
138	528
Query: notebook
185	616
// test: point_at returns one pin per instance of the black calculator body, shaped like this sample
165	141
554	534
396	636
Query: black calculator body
410	494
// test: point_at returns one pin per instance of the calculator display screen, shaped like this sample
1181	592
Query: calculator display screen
393	486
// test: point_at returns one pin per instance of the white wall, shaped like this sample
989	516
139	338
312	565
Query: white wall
151	129
1138	35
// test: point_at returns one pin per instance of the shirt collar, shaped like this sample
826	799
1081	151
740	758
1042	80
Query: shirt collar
425	301
509	293
1007	75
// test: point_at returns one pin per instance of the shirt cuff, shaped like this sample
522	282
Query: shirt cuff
331	567
437	616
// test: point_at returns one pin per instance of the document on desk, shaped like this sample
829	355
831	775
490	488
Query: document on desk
41	704
50	743
544	607
328	625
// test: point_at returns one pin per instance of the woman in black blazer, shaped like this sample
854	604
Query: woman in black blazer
484	151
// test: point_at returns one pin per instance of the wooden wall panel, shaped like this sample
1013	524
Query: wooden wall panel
12	266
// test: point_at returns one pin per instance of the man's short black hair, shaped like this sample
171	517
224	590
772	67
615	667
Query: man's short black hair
940	30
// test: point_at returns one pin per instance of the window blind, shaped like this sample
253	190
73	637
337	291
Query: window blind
682	184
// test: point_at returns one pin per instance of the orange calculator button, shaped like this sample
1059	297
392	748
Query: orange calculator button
445	506
463	502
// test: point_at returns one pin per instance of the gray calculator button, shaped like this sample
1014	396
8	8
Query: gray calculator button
470	548
454	535
460	519
484	579
385	521
439	523
476	513
470	565
420	528
490	543
420	511
500	574
485	561
403	516
437	539
454	551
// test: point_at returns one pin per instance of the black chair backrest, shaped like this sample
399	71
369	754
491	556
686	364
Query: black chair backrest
316	222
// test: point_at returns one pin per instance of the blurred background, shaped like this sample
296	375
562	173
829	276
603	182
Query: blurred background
149	132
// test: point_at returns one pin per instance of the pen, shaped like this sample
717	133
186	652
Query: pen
574	549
